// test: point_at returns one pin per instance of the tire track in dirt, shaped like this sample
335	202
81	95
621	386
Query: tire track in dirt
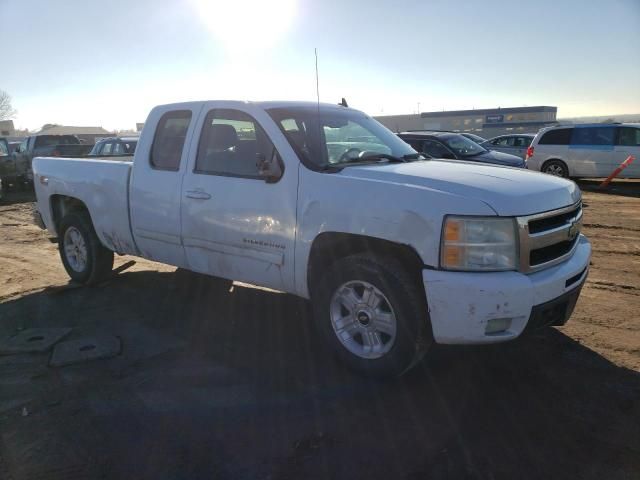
610	227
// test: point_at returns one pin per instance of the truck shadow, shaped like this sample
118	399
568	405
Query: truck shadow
246	389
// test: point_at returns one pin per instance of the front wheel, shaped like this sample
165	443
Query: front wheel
83	256
373	314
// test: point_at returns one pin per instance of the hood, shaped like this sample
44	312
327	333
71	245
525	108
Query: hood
508	191
498	158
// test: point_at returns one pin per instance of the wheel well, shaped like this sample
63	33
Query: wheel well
330	247
62	205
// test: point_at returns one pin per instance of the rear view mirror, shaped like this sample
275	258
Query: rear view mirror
269	169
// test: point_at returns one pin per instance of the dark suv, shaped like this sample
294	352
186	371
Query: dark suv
450	145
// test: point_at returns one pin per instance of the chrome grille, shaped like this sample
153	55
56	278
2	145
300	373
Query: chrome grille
549	238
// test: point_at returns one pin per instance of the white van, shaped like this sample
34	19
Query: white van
590	150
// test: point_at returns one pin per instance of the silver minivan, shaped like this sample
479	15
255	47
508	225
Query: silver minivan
590	150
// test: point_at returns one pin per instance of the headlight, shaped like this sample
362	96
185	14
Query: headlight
478	244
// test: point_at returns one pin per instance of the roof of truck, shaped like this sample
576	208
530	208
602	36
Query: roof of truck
263	104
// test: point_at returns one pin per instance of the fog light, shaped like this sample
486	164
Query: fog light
497	325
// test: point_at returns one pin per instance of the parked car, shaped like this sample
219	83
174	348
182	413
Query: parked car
395	251
5	159
13	146
590	150
114	147
454	146
46	145
516	144
7	163
472	136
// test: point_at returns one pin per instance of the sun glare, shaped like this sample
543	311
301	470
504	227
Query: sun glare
248	25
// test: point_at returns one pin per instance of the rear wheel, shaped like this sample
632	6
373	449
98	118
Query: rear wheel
556	168
373	314
83	256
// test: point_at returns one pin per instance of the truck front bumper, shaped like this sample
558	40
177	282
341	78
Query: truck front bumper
469	308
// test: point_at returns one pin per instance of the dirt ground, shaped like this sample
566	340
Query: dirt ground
236	384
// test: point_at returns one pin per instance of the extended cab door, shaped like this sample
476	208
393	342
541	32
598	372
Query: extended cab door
156	184
235	224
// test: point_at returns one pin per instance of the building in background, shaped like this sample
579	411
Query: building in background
487	122
88	135
7	129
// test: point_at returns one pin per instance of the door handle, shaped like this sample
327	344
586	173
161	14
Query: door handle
197	194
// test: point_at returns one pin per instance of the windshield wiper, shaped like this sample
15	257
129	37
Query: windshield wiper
474	154
416	156
381	156
374	157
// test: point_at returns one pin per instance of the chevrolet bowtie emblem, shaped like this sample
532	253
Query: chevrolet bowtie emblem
574	230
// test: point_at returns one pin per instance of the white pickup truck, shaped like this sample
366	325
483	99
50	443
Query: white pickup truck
395	251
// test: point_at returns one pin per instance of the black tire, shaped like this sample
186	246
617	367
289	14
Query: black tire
99	260
404	295
555	167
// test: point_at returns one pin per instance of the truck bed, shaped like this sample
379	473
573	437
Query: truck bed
102	184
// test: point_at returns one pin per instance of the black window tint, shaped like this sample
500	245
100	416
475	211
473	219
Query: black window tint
593	136
560	136
169	139
435	149
231	144
629	137
415	143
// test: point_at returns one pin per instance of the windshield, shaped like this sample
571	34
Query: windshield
334	137
462	146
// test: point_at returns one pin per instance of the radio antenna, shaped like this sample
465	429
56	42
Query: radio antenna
315	50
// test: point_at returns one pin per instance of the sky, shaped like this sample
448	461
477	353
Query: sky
108	62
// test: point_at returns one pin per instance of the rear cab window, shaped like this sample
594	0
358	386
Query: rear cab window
50	140
169	139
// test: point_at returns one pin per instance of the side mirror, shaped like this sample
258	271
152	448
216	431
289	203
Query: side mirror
269	169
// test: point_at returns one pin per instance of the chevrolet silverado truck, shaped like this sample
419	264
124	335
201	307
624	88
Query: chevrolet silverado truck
394	251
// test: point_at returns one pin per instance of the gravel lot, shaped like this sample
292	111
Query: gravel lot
216	384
